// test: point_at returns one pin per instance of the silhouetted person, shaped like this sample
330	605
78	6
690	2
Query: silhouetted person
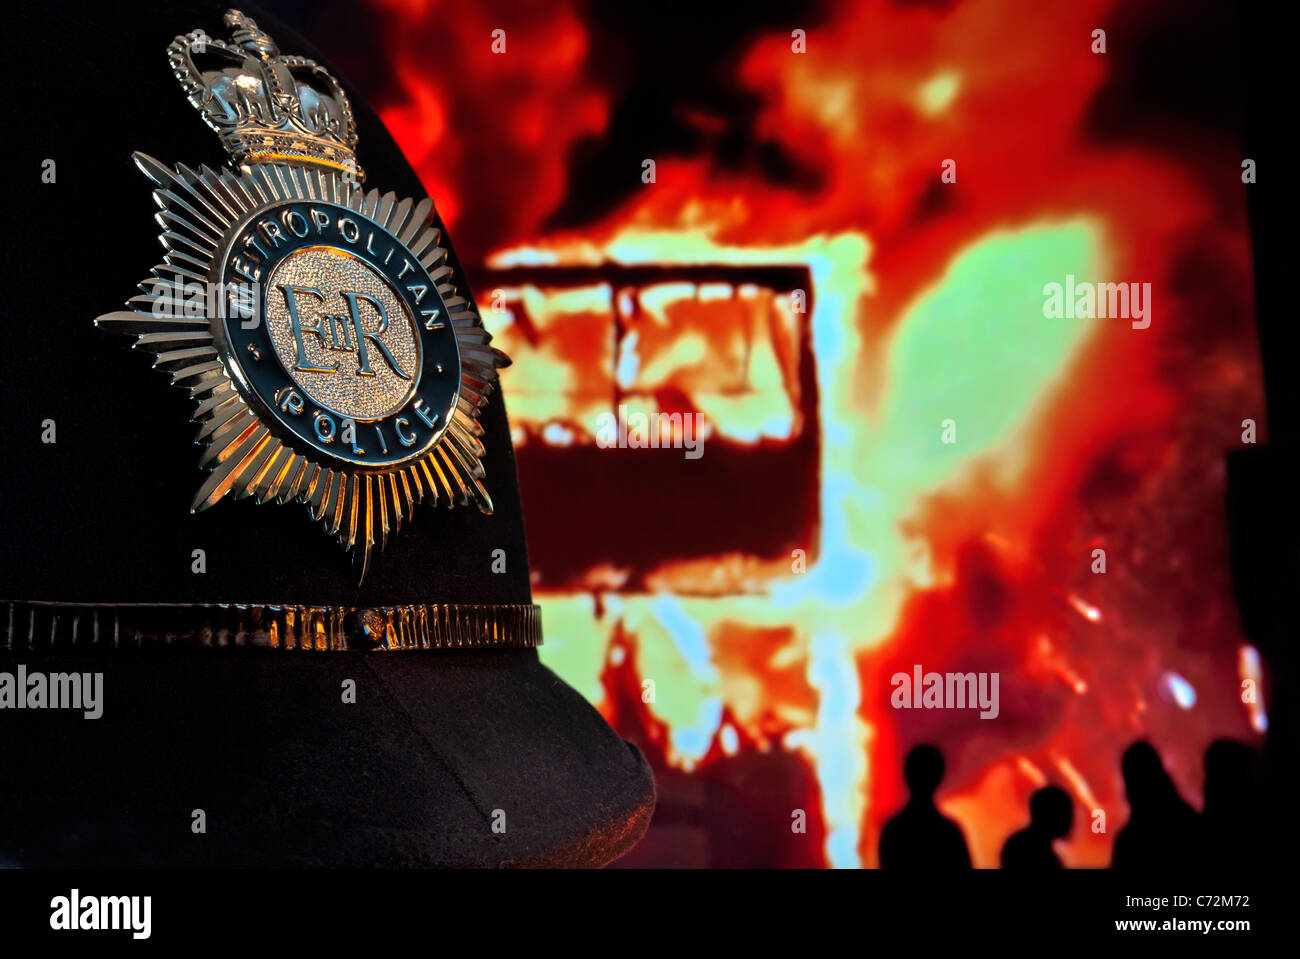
1051	814
1162	830
1235	807
921	837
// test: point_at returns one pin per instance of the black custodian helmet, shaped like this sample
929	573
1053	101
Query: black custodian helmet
310	640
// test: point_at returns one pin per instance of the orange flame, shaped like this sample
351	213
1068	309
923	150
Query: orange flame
772	681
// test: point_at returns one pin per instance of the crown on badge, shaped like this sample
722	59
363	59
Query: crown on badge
265	106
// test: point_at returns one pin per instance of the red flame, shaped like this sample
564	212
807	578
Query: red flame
1123	454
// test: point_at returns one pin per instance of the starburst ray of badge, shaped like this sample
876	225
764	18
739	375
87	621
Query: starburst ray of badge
248	453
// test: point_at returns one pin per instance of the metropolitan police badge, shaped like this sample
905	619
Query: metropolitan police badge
318	327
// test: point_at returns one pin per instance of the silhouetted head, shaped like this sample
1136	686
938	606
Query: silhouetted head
1051	812
1230	774
1146	782
923	771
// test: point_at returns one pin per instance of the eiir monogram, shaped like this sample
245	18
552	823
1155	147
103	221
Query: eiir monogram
329	326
